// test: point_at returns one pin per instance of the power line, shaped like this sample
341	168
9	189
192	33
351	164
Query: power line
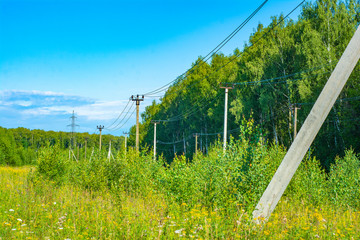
118	116
211	53
116	127
238	55
126	120
269	80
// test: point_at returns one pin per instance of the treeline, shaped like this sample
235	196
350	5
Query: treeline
20	146
283	66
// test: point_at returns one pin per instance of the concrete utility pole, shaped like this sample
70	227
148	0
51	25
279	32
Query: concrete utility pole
86	145
126	133
109	153
196	142
155	122
138	100
309	129
100	129
226	87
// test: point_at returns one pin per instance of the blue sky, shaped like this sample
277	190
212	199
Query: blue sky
90	56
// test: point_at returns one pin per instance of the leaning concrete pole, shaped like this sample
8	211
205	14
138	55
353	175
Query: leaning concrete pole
309	130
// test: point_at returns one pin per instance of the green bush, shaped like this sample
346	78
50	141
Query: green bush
52	164
344	181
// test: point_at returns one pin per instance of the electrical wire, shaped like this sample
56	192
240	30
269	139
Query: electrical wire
210	54
126	120
116	127
238	55
108	127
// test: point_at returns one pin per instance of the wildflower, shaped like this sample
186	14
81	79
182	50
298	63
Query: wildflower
266	232
19	220
11	210
23	225
179	231
14	229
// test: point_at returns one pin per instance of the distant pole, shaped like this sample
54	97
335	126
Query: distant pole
155	122
226	87
85	147
109	153
295	119
184	144
309	129
126	133
137	99
100	129
196	142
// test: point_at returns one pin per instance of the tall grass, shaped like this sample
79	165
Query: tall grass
210	197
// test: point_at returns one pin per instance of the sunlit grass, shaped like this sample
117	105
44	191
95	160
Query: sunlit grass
42	210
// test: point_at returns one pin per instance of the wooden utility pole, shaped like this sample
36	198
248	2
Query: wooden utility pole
295	106
138	100
226	87
196	142
155	122
100	129
309	129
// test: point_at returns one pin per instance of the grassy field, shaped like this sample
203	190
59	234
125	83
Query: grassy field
35	208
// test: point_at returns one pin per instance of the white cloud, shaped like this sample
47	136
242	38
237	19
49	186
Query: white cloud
95	111
39	106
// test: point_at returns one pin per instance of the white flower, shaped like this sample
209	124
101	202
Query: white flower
14	229
11	210
19	220
54	203
23	225
178	231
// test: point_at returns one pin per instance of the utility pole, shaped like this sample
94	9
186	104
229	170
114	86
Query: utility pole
100	129
184	144
86	146
155	122
196	142
309	129
126	133
138	100
295	119
109	153
226	87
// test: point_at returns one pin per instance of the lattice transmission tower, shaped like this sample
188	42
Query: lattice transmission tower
73	126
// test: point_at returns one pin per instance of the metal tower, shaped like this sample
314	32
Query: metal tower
72	125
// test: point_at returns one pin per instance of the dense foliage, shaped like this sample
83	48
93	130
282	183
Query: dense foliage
20	146
216	180
295	58
211	196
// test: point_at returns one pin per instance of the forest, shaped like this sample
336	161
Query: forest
282	67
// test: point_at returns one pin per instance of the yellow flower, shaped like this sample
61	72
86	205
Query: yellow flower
266	232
